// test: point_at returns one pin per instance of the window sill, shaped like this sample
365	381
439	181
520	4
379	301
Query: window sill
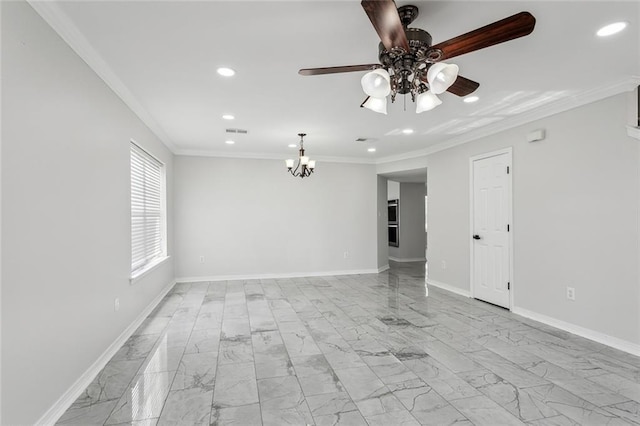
634	132
139	274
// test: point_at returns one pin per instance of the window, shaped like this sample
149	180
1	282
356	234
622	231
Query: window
148	227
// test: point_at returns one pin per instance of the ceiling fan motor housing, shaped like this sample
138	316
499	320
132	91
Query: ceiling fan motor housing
404	64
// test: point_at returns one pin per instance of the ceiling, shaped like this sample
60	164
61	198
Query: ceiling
407	176
161	58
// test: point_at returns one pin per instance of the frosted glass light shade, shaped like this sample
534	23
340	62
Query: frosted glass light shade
289	163
376	83
304	160
312	164
376	104
441	76
426	101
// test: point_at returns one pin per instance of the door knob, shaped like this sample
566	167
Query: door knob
476	237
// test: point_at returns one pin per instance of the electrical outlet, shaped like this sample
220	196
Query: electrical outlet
201	259
571	293
116	304
444	264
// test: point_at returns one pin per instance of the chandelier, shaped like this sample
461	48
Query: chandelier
305	166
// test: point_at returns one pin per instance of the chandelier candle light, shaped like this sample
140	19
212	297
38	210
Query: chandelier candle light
305	166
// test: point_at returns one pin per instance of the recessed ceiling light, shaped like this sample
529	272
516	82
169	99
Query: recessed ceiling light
229	142
371	150
226	72
292	145
611	29
470	99
407	131
228	117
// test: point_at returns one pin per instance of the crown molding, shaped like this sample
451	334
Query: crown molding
570	102
268	156
61	24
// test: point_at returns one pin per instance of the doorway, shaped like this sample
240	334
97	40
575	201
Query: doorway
491	233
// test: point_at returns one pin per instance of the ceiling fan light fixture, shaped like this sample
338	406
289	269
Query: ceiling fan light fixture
376	83
426	101
441	76
376	104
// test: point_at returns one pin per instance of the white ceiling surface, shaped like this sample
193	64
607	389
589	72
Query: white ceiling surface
407	176
166	54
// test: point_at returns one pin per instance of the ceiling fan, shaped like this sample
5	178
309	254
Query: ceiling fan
410	64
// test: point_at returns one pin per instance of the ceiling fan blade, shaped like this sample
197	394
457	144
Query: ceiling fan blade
463	86
335	70
383	14
518	25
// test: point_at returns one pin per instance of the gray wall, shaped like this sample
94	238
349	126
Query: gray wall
393	190
412	221
575	216
383	222
411	224
65	216
252	218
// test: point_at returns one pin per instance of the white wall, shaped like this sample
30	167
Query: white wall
65	216
575	217
252	218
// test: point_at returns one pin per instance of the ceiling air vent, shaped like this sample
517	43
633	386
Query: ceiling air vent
241	131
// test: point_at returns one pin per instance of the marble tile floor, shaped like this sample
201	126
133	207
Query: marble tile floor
353	350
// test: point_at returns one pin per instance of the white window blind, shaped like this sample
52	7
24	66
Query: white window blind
147	204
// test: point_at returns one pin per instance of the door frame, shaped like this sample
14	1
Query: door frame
509	151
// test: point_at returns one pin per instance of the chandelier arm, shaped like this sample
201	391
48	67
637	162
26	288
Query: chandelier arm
295	171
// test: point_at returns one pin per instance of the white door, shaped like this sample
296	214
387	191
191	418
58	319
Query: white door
490	234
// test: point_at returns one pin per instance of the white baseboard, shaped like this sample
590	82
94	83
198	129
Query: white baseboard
274	276
409	259
383	268
596	336
449	287
64	402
